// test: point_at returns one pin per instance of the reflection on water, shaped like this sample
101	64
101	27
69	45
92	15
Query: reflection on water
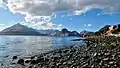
30	45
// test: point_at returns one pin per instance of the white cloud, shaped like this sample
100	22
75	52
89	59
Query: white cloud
36	10
2	24
47	7
87	25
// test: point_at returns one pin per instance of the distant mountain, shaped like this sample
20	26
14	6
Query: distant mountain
86	33
65	32
48	31
109	30
74	33
19	29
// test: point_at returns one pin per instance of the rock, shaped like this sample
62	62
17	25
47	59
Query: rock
106	59
40	60
32	57
86	57
30	67
14	57
98	60
55	58
33	62
6	56
111	62
21	61
27	61
1	64
58	64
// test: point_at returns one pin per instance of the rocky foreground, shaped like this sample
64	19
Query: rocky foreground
100	52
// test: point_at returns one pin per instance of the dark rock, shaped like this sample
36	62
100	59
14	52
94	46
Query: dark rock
14	57
1	64
98	60
40	60
46	60
30	67
6	56
32	57
27	61
33	62
55	58
86	57
21	61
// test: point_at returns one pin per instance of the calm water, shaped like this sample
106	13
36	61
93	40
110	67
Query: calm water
31	45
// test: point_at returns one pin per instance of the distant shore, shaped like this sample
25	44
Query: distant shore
97	52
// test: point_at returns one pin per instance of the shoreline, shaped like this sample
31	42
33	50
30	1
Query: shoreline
99	52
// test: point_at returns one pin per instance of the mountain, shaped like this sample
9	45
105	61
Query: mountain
65	32
19	29
116	29
47	31
103	30
86	33
109	30
74	33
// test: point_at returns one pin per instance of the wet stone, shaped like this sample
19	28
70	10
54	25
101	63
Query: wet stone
33	62
27	61
32	57
21	61
30	67
40	60
14	57
1	64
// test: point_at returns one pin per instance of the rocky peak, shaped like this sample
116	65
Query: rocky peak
64	30
19	29
109	30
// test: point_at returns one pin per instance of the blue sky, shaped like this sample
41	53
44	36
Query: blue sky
88	21
77	15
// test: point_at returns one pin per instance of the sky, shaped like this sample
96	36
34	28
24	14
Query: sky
77	15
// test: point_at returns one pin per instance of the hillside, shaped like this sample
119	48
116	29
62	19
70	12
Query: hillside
109	30
19	29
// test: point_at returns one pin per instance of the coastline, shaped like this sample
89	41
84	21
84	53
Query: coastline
97	52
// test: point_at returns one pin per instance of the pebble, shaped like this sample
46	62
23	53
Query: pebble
14	57
21	61
27	61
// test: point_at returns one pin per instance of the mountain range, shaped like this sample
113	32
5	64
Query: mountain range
19	29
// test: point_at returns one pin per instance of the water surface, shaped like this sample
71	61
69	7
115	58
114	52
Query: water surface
31	45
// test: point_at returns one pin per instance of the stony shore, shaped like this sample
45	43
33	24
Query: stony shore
97	52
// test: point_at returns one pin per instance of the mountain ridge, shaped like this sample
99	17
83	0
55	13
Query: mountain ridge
18	29
109	30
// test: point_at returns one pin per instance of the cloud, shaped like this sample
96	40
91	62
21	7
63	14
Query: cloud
87	25
36	10
2	24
